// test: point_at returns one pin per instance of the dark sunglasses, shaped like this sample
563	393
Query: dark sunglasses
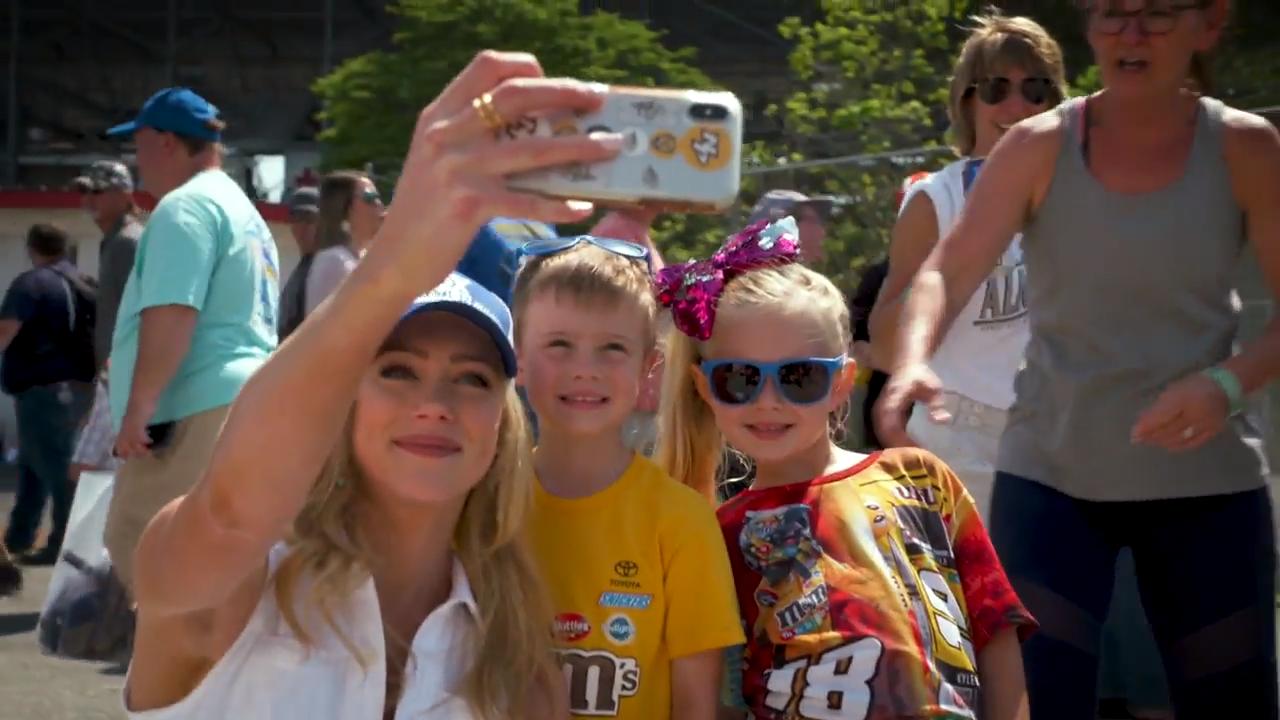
1105	18
553	246
994	90
800	381
372	197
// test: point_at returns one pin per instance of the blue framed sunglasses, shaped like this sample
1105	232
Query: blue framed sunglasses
800	381
553	246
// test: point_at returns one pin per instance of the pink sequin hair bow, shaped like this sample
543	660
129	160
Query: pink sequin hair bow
693	289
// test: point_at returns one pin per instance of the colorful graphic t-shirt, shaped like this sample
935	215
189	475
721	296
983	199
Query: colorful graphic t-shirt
866	594
639	576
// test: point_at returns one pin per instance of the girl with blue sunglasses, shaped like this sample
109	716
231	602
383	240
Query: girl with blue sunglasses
866	583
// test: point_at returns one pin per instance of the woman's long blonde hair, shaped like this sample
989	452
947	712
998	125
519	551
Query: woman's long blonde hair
690	446
513	660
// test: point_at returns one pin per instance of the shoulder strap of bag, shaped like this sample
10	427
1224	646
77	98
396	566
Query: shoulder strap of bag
71	300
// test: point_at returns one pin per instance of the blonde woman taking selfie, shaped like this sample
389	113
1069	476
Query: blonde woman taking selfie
353	549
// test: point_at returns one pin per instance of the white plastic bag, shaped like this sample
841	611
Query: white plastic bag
87	614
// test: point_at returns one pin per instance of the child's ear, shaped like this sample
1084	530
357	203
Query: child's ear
845	380
700	383
519	370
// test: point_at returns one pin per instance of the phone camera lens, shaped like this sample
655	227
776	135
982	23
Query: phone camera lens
703	111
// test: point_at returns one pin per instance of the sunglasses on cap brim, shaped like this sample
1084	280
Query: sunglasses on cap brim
800	381
994	90
555	246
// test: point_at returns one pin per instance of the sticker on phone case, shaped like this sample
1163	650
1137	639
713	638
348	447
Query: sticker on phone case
648	110
706	148
563	127
663	144
523	127
578	172
634	141
650	177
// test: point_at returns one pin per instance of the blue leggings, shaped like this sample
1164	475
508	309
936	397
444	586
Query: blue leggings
1206	571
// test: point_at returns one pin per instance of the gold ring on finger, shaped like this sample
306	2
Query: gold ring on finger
488	113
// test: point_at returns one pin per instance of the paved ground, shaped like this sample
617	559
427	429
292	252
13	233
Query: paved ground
35	687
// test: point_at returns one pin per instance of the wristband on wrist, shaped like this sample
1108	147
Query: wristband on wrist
1230	385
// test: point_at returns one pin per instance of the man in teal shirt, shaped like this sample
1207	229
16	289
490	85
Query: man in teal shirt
197	319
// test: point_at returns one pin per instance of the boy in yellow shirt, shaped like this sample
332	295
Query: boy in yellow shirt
635	562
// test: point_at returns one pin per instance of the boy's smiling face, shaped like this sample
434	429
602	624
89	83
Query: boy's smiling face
582	362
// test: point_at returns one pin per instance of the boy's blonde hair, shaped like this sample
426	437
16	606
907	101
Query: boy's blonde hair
513	654
588	275
690	446
995	43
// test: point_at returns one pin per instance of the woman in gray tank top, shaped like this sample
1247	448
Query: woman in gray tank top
1128	428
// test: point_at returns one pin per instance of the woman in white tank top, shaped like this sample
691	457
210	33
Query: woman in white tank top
1009	69
354	550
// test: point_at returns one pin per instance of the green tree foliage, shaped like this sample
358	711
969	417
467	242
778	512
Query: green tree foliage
871	77
371	101
1246	66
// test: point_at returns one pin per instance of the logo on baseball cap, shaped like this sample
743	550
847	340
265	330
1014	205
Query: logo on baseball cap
104	175
468	299
177	110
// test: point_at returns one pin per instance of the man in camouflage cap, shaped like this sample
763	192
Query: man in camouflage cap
104	175
106	193
810	214
304	212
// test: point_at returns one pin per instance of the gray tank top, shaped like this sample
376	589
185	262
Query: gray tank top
1127	293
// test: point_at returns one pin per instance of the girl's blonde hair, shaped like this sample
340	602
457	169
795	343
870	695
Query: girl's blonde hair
690	446
995	43
513	658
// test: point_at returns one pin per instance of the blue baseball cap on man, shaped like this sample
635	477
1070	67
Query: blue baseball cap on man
471	301
177	110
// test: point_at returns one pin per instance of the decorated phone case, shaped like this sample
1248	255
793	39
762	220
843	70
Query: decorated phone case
683	151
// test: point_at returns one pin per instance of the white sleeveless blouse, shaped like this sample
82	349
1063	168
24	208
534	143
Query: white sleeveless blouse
983	350
268	673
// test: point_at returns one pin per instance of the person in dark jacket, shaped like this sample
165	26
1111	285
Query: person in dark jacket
860	305
304	209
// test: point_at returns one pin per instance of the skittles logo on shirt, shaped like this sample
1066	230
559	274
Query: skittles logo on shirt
570	627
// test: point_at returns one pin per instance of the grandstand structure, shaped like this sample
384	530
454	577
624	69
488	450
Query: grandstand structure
75	67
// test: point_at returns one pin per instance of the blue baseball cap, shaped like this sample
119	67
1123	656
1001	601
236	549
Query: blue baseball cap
177	110
493	258
468	299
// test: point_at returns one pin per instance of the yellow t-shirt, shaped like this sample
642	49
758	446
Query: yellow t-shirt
639	576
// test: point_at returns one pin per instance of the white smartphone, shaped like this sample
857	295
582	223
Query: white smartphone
683	151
